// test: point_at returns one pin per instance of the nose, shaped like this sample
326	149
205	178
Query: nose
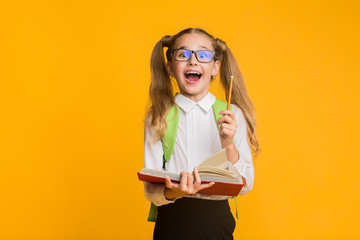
192	60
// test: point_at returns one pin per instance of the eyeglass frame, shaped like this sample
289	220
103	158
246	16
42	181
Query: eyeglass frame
196	55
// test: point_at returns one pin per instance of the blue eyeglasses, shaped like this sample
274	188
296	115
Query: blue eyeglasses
183	55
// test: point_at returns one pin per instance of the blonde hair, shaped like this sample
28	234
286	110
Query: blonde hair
161	90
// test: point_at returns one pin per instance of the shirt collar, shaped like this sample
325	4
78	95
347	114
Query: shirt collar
187	104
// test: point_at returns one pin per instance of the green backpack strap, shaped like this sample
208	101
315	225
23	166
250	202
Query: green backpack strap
219	106
168	143
172	121
152	213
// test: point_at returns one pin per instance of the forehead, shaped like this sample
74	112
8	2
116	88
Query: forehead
194	41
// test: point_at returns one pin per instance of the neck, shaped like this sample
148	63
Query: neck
195	98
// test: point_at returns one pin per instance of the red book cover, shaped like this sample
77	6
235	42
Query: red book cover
219	188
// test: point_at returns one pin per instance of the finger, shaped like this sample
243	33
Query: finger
203	186
190	183
183	181
229	119
221	133
221	120
197	176
226	119
190	178
228	113
226	126
227	133
169	183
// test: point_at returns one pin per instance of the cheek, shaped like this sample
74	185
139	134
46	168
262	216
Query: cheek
210	70
177	69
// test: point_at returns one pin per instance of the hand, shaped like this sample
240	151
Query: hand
227	128
186	186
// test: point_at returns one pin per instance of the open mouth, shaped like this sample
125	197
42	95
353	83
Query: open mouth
192	77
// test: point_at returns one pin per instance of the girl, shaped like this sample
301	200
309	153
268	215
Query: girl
194	58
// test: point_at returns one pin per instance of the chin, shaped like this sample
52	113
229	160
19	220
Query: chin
194	95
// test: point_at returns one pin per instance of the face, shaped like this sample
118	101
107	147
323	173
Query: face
192	76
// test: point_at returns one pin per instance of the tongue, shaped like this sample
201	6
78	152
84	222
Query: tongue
193	77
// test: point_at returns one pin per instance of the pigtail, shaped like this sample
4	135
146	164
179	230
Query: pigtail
161	90
229	67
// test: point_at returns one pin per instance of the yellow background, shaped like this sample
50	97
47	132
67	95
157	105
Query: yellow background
74	86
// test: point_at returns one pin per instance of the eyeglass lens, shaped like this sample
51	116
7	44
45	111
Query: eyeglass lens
201	55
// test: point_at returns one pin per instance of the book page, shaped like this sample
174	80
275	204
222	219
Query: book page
218	159
214	171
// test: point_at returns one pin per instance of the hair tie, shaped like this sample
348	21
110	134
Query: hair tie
165	40
221	44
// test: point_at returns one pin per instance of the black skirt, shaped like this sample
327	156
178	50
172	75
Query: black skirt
193	218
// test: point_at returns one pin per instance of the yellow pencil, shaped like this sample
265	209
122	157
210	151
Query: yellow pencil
230	90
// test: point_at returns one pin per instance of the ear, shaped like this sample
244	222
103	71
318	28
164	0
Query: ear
169	69
216	68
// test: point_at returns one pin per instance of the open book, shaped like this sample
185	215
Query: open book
213	169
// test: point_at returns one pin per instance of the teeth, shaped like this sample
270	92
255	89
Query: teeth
197	73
